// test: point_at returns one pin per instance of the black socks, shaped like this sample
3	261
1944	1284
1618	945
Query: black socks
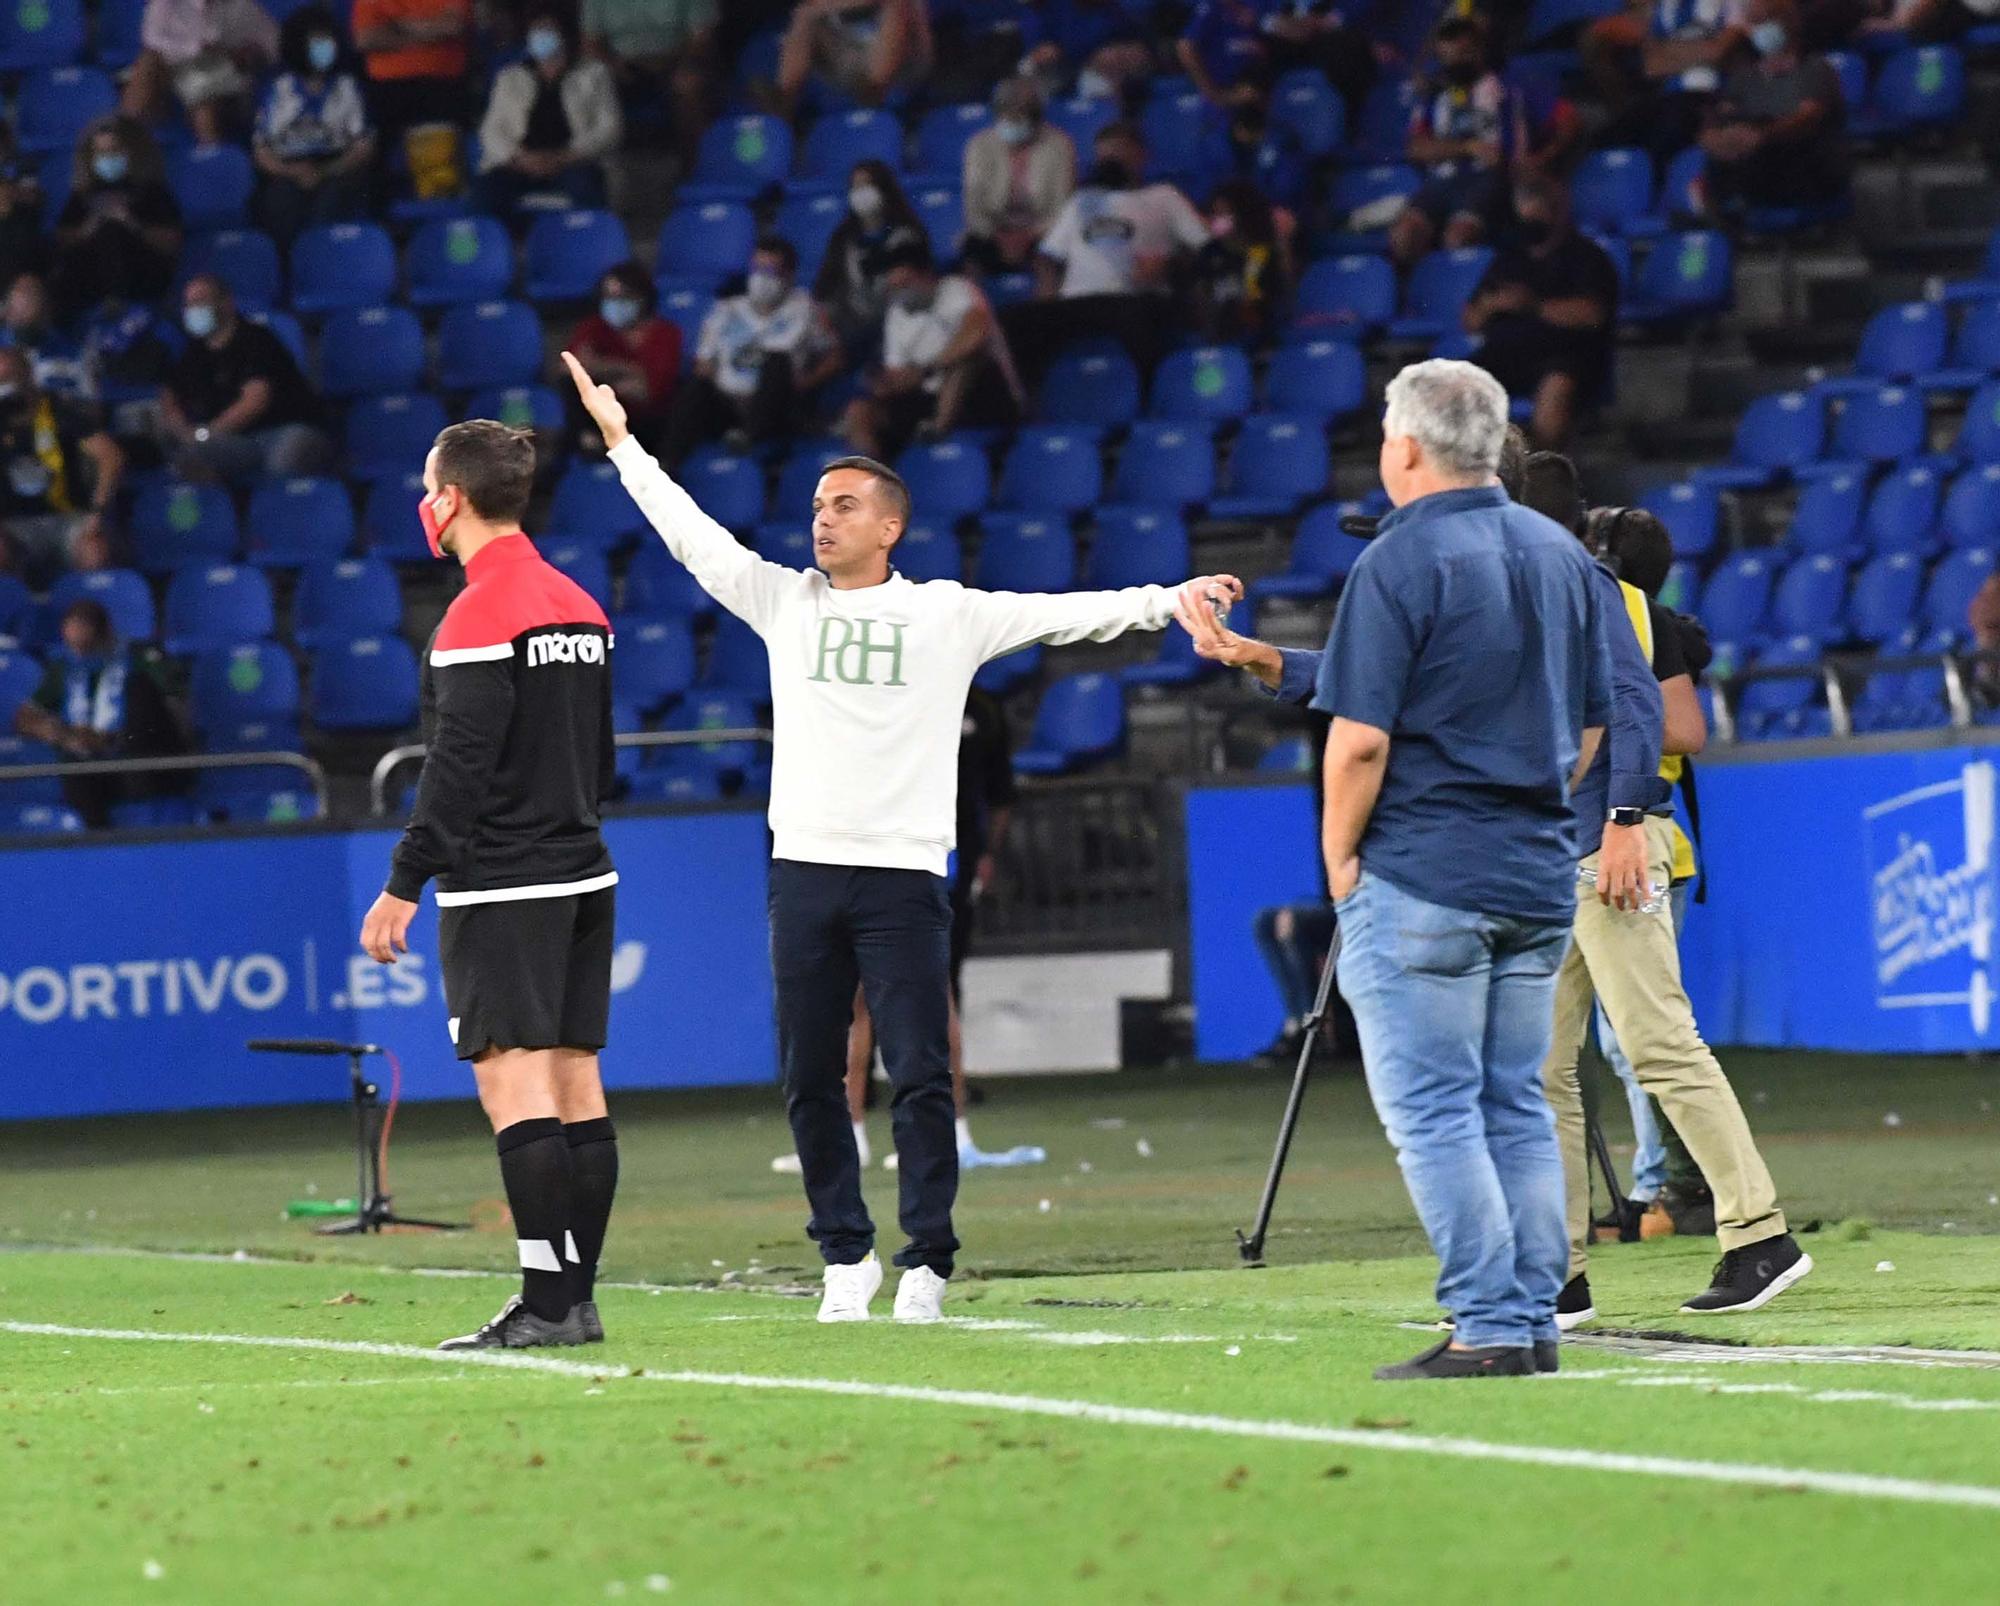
593	1172
535	1170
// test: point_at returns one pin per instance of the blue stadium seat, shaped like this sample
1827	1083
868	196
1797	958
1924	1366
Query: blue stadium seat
341	598
808	219
456	260
1024	552
1083	118
1953	583
20	675
943	135
1380	129
1278	463
16	750
244	259
652	662
392	434
1365	188
212	185
1137	546
1289	755
685	306
1322	555
591	504
1900	342
1351	295
249	684
1553	19
737	660
1682	591
789	542
1971	513
1979	437
1081	718
39	819
657	583
56	104
1987	285
342	265
1828	516
520	407
1094	384
366	684
117	34
949	479
1809	598
838	140
153	814
1689	510
40	33
1772	709
940	207
1304	104
1975	350
1688	274
716	709
1902	511
299	521
1613	189
1885	596
927	552
1186	140
1776	437
740	158
1051	470
389	518
678	776
584	562
124	593
566	253
1880	426
708	243
1683	187
213	605
1165	465
488	343
245	797
798	479
1440	285
1737	597
1174	663
727	487
1202	384
371	351
1905	699
17	613
291	335
1323	379
175	523
1918	89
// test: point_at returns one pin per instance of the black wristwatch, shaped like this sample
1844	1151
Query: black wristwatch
1627	817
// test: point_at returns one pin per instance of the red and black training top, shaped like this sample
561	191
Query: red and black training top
517	727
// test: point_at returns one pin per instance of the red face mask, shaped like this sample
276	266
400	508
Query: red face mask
433	527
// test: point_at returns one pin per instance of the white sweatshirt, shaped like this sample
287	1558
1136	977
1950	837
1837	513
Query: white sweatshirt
868	686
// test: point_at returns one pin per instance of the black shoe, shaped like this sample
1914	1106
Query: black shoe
1441	1360
1573	1306
1546	1358
587	1318
1748	1278
1693	1214
517	1327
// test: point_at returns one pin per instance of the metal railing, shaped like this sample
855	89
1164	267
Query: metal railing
1837	671
180	763
410	753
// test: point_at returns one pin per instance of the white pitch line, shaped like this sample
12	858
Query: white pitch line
1708	1385
1858	1485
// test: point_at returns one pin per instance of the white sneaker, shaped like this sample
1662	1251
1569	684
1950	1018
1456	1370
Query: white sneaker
919	1296
787	1165
849	1288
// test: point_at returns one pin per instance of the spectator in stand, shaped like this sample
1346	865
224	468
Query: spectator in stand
1098	49
62	470
1018	173
1224	52
129	349
418	53
761	356
58	358
655	45
549	125
209	53
118	236
864	50
1655	64
235	406
1922	22
1322	34
1465	127
314	144
1776	135
1983	619
23	247
1547	311
944	362
1245	272
879	222
627	345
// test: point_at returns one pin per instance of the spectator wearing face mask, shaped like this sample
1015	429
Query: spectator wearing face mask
760	357
879	222
549	125
62	471
1655	65
314	142
58	358
1245	272
208	52
864	50
1775	136
235	405
1465	126
118	236
1019	171
1098	49
627	345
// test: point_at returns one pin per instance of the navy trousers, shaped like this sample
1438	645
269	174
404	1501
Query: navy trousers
833	926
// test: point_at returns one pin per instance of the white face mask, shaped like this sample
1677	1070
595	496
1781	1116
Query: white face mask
1016	130
866	200
765	289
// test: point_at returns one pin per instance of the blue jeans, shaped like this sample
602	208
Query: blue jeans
1456	1012
1649	1150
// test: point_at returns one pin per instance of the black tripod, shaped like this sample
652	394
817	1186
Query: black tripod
1251	1245
372	1210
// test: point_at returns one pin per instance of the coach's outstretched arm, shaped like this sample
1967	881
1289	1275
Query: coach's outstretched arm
1290	674
1007	621
727	570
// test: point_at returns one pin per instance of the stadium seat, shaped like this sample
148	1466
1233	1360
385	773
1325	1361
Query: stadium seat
1051	470
175	523
56	104
727	487
154	814
1828	516
943	135
1903	341
1083	118
706	243
230	688
1278	462
1902	511
948	479
1351	294
1879	426
591	504
678	776
1305	106
1290	755
652	662
1137	546
1440	285
1323	379
40	33
798	478
520	407
1553	19
1380	129
1952	585
1906	699
1613	189
1809	598
1971	512
686	307
1369	190
17	612
452	261
1682	591
1916	90
657	583
1165	465
244	797
1095	384
392	434
342	265
39	819
124	593
299	521
1202	384
838	140
566	253
339	599
244	259
1777	436
366	684
1978	440
927	552
1081	718
213	605
739	159
389	518
371	351
212	185
1975	351
1020	552
16	751
489	343
1187	142
1689	511
940	207
790	542
116	42
1885	596
1687	274
715	709
1174	663
291	335
1736	598
808	219
1771	709
1322	555
584	562
737	660
20	675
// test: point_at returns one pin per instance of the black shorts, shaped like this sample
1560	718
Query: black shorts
534	973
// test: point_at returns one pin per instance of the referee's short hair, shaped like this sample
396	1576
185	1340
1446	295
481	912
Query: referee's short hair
492	463
888	483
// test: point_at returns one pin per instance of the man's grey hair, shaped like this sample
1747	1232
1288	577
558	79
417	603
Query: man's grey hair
1455	411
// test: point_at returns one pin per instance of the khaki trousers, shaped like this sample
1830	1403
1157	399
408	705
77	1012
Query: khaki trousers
1631	963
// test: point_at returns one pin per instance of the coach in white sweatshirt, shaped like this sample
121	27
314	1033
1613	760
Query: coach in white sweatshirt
869	672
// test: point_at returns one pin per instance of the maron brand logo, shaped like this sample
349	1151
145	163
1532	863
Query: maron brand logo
583	647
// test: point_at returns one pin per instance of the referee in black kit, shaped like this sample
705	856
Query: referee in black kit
517	732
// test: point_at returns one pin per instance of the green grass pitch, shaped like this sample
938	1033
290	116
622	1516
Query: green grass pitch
1118	1413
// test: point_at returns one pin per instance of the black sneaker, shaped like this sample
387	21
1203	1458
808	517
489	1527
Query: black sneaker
1441	1360
592	1324
517	1327
1691	1211
1546	1357
1748	1278
1573	1306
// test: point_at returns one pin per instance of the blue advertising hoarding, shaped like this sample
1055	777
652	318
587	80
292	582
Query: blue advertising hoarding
132	974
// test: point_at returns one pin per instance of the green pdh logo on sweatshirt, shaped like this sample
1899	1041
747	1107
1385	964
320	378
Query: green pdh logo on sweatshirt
849	648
